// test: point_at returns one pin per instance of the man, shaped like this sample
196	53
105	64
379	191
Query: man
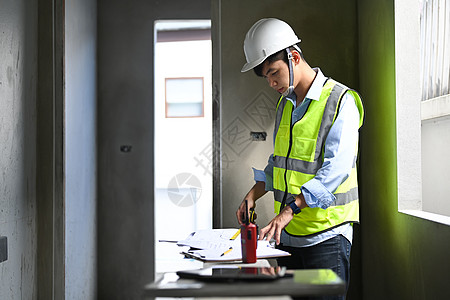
312	171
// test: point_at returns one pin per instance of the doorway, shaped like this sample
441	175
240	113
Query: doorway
183	134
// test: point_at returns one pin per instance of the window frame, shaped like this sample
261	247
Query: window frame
202	97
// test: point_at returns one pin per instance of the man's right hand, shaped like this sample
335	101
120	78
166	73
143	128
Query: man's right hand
240	213
256	192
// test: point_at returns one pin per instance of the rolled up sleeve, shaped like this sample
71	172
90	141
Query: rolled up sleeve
265	175
339	156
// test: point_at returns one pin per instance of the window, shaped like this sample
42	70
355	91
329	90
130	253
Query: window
184	97
435	105
434	47
422	55
183	135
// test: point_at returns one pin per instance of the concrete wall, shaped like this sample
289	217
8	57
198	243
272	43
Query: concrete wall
80	149
50	150
125	110
18	73
403	257
31	156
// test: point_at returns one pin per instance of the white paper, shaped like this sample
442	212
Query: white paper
211	244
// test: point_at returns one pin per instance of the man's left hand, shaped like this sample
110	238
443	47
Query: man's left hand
274	228
281	221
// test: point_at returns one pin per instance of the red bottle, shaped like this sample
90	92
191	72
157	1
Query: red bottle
248	242
249	238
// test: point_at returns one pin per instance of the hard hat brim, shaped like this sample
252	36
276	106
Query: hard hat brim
250	65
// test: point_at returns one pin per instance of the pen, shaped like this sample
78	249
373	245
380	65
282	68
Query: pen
236	234
226	252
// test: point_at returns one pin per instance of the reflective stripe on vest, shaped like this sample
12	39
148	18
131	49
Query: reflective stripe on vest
297	160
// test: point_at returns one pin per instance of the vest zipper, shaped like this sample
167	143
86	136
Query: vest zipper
291	127
283	203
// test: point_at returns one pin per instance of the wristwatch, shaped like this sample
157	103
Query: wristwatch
295	208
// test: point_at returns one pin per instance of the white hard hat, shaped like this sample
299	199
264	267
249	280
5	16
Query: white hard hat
264	38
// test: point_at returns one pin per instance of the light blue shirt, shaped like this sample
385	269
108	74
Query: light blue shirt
339	155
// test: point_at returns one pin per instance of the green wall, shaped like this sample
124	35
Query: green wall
403	257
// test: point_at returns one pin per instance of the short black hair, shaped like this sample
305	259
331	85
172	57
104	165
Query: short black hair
280	55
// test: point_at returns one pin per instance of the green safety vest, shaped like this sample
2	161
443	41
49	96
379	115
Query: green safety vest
298	155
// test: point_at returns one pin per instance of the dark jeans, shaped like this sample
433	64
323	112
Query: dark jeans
331	254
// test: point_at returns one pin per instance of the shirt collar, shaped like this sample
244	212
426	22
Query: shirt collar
315	90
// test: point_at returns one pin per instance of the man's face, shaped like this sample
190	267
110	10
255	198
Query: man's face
277	75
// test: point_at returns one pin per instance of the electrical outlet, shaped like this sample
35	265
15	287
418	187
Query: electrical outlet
258	136
3	248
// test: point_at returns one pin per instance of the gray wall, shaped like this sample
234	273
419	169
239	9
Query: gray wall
125	110
32	160
80	149
18	72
